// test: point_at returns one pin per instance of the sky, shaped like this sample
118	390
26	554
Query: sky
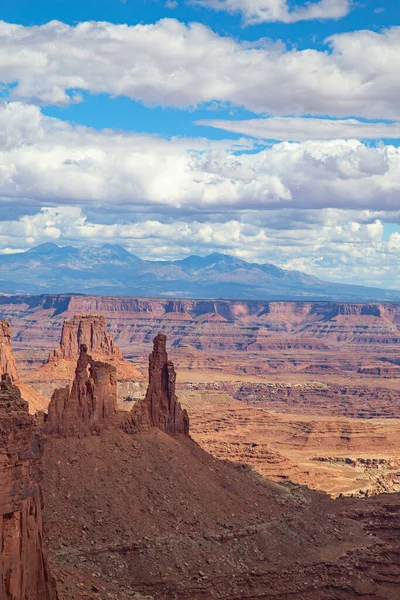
265	129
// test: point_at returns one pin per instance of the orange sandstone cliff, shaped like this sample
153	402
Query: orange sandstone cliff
24	573
8	365
91	331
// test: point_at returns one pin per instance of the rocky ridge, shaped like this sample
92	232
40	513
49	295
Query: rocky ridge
24	574
119	506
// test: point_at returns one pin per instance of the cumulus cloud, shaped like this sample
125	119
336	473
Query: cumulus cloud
169	63
312	205
261	11
45	161
303	129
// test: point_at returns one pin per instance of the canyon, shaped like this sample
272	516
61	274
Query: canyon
300	391
135	508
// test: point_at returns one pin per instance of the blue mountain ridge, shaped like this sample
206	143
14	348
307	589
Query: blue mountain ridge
111	269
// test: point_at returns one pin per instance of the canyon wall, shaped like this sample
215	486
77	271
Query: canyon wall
7	361
8	366
204	324
24	574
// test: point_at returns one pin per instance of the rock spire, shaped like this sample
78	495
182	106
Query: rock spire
160	408
91	403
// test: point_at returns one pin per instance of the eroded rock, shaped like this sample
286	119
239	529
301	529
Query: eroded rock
7	361
160	408
90	404
24	573
88	330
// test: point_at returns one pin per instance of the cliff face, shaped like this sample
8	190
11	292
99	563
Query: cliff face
203	324
8	365
7	362
24	573
90	404
160	408
88	330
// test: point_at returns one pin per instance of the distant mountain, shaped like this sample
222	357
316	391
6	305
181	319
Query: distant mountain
112	270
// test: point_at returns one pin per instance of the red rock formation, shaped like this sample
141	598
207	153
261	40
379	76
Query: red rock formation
7	362
24	573
90	405
160	408
90	330
8	365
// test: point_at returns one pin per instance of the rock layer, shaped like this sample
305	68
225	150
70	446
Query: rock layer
90	405
24	573
160	408
7	362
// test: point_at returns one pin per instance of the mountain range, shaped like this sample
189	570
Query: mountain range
112	270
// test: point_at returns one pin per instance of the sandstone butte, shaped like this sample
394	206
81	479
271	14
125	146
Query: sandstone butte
90	331
24	574
89	404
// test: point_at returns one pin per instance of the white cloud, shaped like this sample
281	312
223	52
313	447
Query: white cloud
172	64
261	11
45	161
314	205
303	129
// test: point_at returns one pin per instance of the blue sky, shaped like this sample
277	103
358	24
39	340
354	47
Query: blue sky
260	128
